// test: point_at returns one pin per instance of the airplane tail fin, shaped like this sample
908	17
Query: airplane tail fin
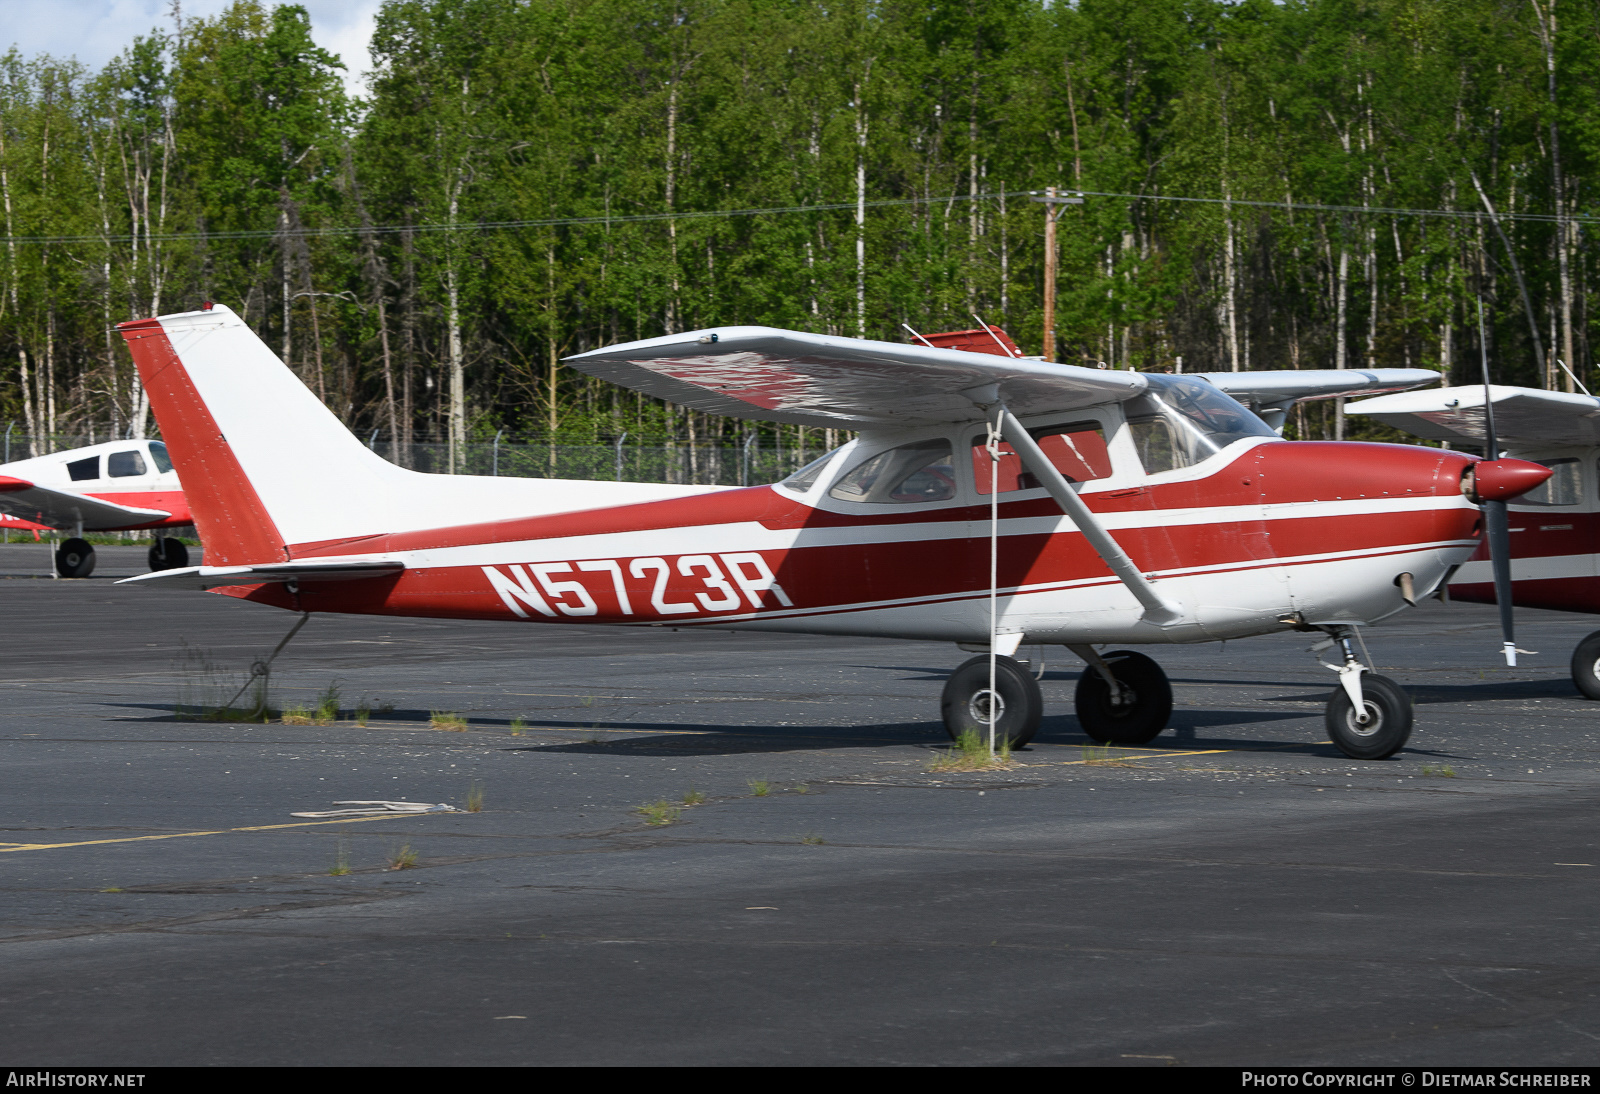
262	460
270	472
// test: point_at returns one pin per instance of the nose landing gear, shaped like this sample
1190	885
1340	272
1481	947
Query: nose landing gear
1369	717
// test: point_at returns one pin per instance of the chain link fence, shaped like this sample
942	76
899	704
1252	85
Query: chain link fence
749	464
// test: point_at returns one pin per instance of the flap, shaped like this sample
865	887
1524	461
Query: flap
850	383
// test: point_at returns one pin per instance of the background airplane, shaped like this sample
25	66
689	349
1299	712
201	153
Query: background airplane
112	487
954	515
1555	528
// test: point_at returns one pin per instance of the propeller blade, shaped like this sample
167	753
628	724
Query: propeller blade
1498	533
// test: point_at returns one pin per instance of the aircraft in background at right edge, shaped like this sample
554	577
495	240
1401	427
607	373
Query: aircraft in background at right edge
1554	528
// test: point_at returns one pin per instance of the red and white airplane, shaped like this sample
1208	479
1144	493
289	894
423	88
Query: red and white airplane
1555	528
986	501
118	486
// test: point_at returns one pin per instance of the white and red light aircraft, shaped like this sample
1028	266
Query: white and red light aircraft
985	501
1554	530
118	486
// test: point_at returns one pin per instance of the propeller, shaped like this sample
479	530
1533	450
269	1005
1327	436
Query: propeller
1495	519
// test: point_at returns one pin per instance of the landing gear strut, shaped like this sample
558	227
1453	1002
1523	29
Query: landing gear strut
75	558
967	701
1369	717
1122	698
168	554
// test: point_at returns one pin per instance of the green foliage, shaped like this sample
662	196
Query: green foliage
220	158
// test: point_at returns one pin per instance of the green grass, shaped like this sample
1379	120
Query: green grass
475	798
341	861
328	704
812	839
694	797
518	726
403	859
363	712
970	752
1445	772
660	813
760	787
447	720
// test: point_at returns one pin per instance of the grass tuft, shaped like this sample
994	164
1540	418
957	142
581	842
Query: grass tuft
327	711
1103	756
363	712
341	861
447	720
760	787
694	797
518	726
660	813
475	798
1446	772
970	752
296	715
403	859
812	838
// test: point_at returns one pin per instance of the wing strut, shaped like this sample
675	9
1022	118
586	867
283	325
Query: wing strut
1157	608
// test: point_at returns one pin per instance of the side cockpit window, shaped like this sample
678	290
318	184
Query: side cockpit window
1078	451
1563	487
920	472
158	453
84	470
123	465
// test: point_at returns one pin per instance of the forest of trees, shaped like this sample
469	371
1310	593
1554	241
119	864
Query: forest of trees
1295	184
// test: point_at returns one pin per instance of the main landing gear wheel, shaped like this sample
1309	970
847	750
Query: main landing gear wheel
75	558
1586	666
966	700
1135	717
1388	723
168	554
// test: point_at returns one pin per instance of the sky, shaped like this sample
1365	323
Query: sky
94	31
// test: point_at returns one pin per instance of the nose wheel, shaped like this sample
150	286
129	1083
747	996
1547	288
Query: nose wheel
1386	724
75	558
1586	666
1015	702
168	554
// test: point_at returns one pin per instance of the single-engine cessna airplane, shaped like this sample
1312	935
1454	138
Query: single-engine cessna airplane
985	501
1554	529
119	486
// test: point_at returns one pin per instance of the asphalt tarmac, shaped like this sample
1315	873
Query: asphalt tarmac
1238	893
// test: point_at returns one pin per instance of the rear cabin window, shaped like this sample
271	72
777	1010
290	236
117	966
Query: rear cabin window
82	470
1078	451
158	453
122	465
920	472
1563	487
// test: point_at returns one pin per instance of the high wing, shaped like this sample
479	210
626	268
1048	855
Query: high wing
1271	394
63	509
849	383
346	568
1523	417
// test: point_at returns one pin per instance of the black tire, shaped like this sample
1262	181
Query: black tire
1586	666
965	708
1389	727
75	558
1141	718
168	554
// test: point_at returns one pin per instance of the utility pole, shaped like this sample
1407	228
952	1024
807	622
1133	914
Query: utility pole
1053	204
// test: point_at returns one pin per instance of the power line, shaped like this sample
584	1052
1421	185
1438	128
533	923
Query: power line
780	210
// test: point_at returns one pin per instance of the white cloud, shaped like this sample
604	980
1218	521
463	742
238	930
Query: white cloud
95	31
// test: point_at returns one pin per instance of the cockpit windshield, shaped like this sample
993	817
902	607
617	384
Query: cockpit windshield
1180	421
158	453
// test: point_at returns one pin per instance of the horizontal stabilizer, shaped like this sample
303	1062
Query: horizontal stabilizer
1523	416
65	510
215	577
850	383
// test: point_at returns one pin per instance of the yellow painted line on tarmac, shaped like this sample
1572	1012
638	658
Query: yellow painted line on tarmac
4	847
1138	754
